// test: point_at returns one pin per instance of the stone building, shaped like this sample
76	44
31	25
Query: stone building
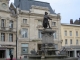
27	16
70	35
30	17
7	30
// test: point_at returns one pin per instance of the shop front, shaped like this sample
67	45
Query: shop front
5	51
73	51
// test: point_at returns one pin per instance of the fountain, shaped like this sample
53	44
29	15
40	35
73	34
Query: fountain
48	50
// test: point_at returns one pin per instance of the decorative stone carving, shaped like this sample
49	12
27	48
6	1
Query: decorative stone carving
8	18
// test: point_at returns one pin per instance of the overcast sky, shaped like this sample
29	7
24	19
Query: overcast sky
69	9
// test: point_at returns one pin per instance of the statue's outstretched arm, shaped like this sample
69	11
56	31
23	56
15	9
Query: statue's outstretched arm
49	18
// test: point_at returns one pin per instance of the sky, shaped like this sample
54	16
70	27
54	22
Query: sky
68	9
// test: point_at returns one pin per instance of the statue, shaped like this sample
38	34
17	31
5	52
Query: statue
63	52
33	52
45	20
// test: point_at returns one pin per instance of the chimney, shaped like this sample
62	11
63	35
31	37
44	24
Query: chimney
79	20
71	21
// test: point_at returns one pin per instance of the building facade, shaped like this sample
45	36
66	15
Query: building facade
70	35
30	18
24	18
7	30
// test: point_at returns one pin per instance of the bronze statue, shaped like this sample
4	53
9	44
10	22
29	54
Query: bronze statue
45	20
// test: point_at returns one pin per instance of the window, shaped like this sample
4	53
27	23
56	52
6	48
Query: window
65	33
70	41
56	46
25	21
24	33
10	37
39	34
11	51
24	48
70	33
40	22
54	34
2	36
53	23
2	23
4	5
66	41
76	33
77	42
11	24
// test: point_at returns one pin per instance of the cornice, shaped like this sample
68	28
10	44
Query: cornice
25	25
55	16
7	31
7	11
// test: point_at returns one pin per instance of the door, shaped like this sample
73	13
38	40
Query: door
2	53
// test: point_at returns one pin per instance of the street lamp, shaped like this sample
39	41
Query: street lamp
61	43
16	46
16	32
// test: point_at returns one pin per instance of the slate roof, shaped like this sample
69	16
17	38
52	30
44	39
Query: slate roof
26	4
77	22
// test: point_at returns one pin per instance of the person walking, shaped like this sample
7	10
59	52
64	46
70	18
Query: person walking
78	55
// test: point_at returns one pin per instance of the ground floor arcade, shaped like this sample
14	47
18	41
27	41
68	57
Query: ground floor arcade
5	51
73	51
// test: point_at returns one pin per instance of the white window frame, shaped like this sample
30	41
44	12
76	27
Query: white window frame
54	35
71	42
77	33
11	24
39	34
12	51
3	37
53	23
10	38
24	46
2	22
39	22
24	21
66	41
70	33
24	33
65	33
77	42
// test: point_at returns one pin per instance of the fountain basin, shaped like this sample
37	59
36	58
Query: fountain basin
51	57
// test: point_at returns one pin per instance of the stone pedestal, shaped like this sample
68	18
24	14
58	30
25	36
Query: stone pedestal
47	36
48	46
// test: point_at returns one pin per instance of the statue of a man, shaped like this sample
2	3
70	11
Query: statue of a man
45	20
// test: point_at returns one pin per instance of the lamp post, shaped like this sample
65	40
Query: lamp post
61	43
16	31
16	46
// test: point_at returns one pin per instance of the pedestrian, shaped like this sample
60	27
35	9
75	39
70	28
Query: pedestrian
11	57
78	55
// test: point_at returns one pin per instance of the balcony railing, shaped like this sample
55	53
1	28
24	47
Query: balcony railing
7	29
8	43
2	28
